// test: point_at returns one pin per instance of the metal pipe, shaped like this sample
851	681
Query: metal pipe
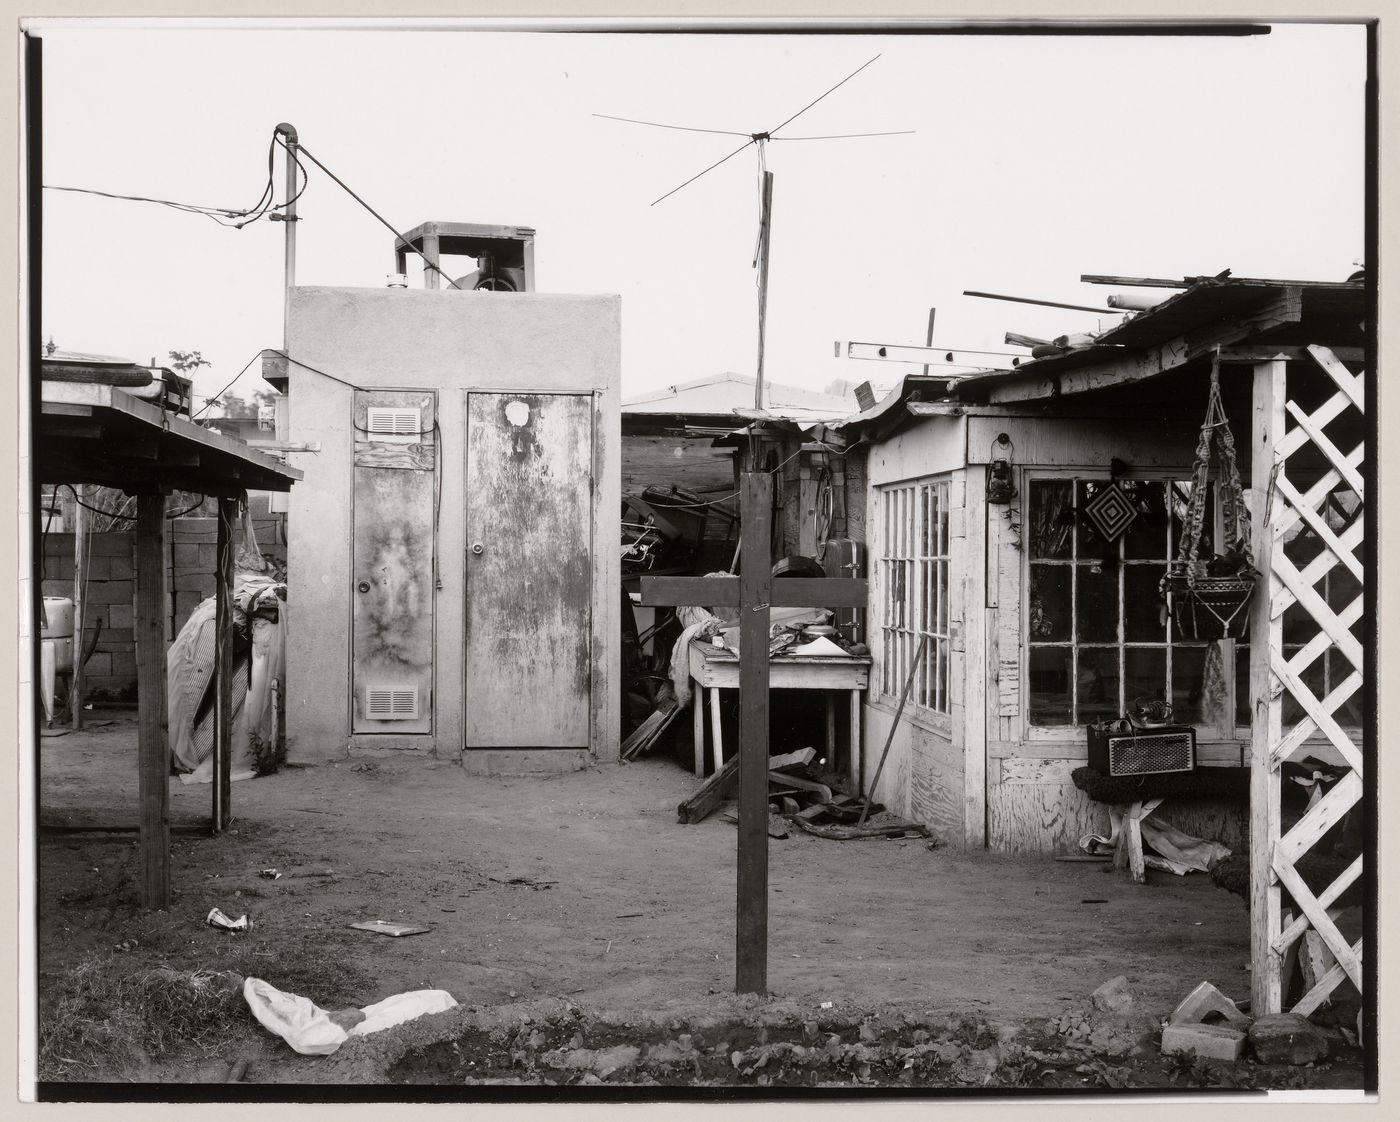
289	140
1042	303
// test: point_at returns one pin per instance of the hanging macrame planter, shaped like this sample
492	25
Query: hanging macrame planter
1210	596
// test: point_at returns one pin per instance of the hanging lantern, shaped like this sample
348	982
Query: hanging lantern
1001	485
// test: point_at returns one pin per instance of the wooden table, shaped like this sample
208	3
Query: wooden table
716	668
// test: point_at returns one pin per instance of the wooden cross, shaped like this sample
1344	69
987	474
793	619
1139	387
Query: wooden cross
753	592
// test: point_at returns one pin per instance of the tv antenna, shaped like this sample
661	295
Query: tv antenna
759	141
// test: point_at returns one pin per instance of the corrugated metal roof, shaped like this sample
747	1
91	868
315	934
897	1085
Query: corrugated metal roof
724	393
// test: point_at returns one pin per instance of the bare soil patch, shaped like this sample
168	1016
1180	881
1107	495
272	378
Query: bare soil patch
580	903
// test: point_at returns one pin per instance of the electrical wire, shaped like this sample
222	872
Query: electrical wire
383	221
114	513
317	370
210	401
187	208
266	200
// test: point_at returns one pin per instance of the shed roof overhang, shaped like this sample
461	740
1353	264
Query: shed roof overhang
1248	319
89	433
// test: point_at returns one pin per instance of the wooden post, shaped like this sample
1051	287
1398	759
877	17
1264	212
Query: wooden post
765	232
223	667
753	592
1265	640
807	497
755	585
153	752
980	547
81	519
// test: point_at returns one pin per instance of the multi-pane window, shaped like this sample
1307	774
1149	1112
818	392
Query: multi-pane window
916	582
1098	635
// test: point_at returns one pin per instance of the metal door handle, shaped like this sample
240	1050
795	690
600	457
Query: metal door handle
363	586
478	548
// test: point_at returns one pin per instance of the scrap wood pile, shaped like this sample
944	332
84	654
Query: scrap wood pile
797	792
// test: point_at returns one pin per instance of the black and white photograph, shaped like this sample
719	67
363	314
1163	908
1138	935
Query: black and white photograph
677	560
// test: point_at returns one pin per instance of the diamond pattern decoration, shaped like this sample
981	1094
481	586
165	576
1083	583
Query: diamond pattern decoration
1111	512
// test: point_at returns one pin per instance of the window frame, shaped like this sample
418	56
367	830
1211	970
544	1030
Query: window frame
1226	731
924	568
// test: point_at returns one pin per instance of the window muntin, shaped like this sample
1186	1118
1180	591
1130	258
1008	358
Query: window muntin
1097	634
915	570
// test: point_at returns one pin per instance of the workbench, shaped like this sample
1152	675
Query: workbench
717	668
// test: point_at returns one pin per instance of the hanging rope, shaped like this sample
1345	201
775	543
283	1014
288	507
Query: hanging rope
1211	594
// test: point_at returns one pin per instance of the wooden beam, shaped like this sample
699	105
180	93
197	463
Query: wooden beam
1266	639
154	753
67	428
979	616
1140	365
1134	282
755	580
294	445
80	547
1264	352
223	667
809	592
109	397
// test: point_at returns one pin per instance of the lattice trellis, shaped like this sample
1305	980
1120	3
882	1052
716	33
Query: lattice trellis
1316	495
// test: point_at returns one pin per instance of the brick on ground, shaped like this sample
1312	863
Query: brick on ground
1209	1042
1204	1000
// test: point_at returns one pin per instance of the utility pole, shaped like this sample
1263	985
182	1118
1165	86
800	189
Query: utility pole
289	140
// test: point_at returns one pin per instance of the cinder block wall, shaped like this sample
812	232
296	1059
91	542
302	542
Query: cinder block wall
111	587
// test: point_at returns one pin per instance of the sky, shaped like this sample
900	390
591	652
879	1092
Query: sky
1031	160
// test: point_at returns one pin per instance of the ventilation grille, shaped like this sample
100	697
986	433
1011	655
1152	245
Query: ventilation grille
1149	753
389	704
394	424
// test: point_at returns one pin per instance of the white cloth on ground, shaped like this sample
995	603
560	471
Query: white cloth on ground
309	1029
1175	851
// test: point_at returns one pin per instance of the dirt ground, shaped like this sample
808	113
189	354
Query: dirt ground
579	904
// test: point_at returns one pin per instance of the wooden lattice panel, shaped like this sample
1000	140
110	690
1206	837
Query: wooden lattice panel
1311	547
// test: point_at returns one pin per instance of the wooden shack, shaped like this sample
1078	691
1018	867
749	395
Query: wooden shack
1035	623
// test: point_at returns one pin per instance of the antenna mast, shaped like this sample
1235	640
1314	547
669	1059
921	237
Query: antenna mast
765	227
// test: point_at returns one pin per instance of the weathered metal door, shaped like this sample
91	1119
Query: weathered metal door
393	575
529	570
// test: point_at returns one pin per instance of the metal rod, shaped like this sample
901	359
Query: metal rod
928	338
289	135
908	685
1042	303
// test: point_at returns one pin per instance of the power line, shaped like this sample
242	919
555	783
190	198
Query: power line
188	208
218	214
210	401
383	221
